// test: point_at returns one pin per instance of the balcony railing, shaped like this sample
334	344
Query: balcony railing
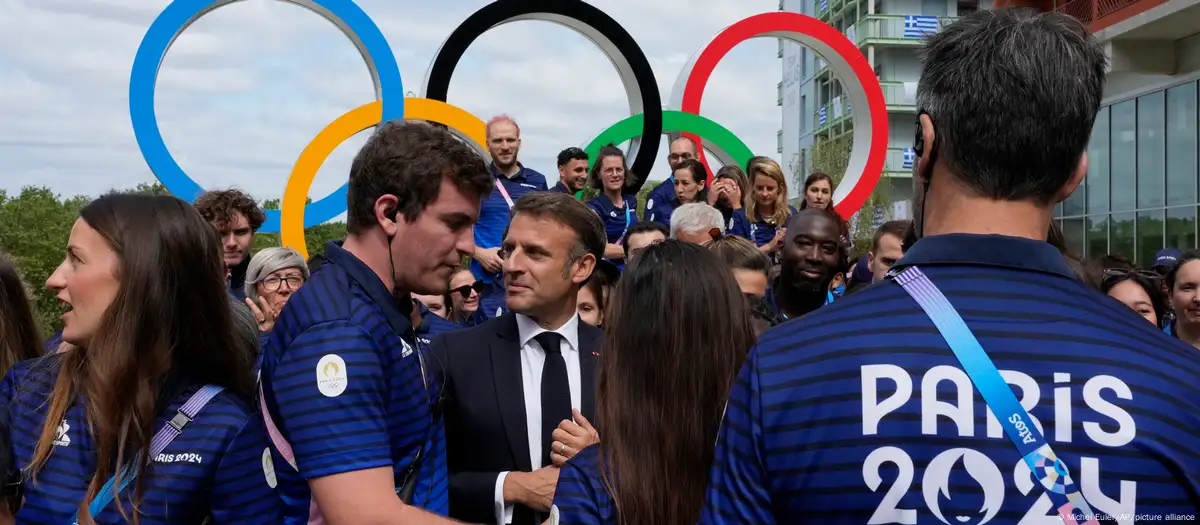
779	141
779	90
1093	12
899	160
895	29
897	97
780	48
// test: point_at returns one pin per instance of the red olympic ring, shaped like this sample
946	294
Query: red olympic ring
868	152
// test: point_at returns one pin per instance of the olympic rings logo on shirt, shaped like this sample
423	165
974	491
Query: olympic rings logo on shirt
644	128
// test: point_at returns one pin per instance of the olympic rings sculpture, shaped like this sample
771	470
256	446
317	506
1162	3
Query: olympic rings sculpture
644	128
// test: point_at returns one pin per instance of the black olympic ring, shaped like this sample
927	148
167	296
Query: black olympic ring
588	21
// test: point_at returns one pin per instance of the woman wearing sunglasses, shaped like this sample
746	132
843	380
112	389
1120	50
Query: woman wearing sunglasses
463	298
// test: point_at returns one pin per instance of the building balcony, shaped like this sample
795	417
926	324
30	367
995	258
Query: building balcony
1099	14
780	48
779	92
897	98
899	161
898	30
779	141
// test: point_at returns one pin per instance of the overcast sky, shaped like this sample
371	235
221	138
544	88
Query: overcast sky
246	87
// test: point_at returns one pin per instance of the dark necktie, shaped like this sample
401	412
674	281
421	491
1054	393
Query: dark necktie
556	390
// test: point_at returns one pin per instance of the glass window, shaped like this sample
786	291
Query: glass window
1121	234
1074	235
1097	236
1181	228
1181	144
1149	236
1151	150
1097	176
1123	158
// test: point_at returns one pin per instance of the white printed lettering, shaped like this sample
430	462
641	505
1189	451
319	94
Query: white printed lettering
1062	409
872	409
962	414
1126	429
887	511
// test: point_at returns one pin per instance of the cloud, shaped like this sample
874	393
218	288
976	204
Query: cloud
245	88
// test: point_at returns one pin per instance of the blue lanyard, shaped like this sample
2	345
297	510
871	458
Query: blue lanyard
1050	471
106	494
628	221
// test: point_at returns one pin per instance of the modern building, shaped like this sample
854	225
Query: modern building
889	33
1140	194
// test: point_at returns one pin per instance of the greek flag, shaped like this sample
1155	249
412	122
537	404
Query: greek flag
917	26
821	116
824	5
910	156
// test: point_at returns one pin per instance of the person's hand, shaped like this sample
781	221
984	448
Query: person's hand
489	258
532	489
265	315
572	436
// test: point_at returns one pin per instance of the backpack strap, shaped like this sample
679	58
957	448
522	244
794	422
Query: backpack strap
164	437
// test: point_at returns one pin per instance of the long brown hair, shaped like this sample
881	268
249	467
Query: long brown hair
168	327
19	338
676	334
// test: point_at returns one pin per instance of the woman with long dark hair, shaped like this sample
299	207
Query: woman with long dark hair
818	191
679	330
617	209
19	339
152	396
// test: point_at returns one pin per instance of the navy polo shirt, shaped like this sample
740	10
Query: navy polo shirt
432	324
494	211
760	232
219	464
660	210
859	412
580	495
343	379
664	191
616	220
561	188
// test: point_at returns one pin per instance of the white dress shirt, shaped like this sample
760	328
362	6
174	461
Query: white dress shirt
533	358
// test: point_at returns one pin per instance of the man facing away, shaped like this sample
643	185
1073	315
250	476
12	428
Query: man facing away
346	392
863	412
520	388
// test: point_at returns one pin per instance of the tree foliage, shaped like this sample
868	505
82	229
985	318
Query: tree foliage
36	224
831	156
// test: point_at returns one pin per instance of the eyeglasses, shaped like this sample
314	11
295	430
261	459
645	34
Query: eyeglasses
1122	272
272	283
679	156
465	290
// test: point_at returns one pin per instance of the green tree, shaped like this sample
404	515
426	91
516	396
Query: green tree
34	229
831	156
315	237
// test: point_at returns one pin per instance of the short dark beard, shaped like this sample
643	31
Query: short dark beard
797	296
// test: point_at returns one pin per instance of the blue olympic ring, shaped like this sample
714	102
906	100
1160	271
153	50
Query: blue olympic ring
176	17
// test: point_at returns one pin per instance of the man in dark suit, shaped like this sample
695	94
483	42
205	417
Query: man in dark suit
519	388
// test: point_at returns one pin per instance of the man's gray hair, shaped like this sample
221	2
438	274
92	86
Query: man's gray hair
271	260
1012	94
696	217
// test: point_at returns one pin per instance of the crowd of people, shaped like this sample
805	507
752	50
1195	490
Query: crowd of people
483	347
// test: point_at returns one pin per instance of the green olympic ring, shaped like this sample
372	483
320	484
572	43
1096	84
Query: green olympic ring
727	146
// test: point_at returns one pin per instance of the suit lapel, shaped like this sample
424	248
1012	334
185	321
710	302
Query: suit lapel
510	393
589	348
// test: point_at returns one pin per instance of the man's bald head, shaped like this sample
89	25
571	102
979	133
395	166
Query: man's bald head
682	149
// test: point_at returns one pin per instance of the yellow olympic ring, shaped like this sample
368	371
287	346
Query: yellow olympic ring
291	213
